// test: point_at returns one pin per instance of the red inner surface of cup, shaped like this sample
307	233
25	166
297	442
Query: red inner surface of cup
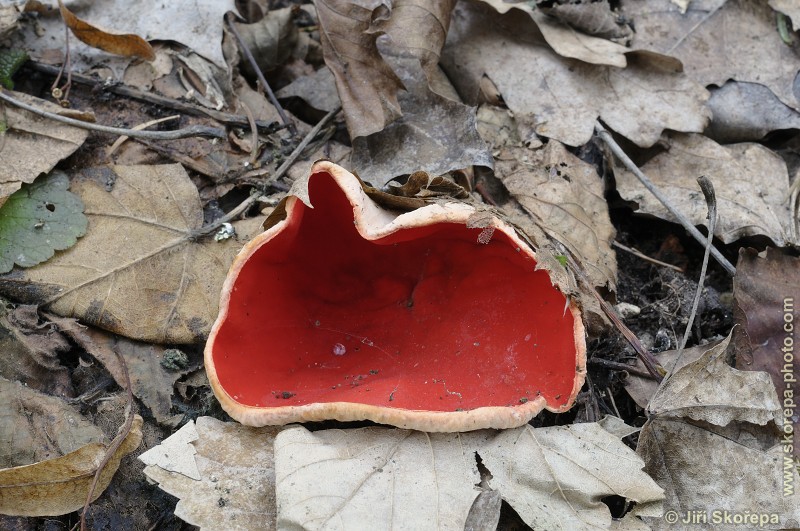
424	319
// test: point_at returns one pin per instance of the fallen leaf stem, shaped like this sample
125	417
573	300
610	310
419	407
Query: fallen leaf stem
155	99
650	363
260	75
711	199
617	366
628	163
188	132
247	203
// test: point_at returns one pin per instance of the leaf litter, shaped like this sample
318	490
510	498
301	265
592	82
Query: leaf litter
556	74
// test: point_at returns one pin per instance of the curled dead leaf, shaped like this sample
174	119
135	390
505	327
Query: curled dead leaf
59	486
126	45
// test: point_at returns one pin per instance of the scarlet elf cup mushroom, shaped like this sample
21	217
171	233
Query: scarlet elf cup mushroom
344	310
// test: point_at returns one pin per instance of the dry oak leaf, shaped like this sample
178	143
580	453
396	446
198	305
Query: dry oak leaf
378	478
37	427
126	45
140	271
150	382
32	145
718	40
367	85
562	98
564	196
222	472
710	443
751	184
60	486
566	41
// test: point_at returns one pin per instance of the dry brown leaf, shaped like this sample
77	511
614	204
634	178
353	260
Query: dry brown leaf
766	288
380	478
751	184
139	271
718	40
318	90
60	486
32	145
729	457
272	40
710	390
566	41
430	131
367	85
37	427
708	471
236	484
150	381
564	196
746	112
641	390
593	18
562	98
30	352
126	45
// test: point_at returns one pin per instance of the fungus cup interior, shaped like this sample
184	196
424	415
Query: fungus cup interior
426	318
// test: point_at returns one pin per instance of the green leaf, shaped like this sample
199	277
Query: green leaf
39	219
10	62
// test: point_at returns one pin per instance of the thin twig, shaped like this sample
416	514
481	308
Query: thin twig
696	234
252	60
116	443
247	203
192	131
644	257
711	200
155	99
617	366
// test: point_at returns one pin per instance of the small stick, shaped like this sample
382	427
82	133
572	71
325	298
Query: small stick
623	157
617	366
155	99
650	363
644	257
260	75
195	130
708	192
247	203
115	444
121	140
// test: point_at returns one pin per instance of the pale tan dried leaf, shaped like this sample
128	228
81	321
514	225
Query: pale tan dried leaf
9	15
271	40
746	112
751	184
377	478
435	134
562	98
318	90
704	469
126	45
237	476
703	39
139	271
175	453
36	427
564	196
367	85
32	145
565	40
710	390
60	486
641	390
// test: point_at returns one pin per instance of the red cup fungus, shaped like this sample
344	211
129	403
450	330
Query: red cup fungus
344	310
